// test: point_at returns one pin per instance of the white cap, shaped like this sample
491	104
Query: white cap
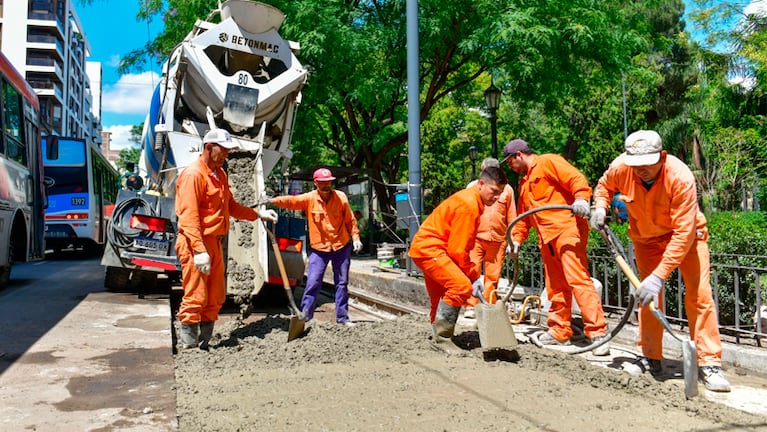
220	137
643	147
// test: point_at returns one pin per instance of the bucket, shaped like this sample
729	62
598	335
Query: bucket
385	255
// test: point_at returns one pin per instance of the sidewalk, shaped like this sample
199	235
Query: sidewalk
745	367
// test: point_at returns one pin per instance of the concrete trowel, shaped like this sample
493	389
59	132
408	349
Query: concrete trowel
689	350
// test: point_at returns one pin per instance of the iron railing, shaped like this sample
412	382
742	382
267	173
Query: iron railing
737	283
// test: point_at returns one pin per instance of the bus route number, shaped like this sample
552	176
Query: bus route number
78	202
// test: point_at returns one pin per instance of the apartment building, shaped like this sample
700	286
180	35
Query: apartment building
45	41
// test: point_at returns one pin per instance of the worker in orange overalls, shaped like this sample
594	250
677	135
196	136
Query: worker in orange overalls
562	238
490	245
668	231
333	234
203	206
442	246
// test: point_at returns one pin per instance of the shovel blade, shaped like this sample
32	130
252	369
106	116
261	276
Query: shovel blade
296	327
495	330
690	368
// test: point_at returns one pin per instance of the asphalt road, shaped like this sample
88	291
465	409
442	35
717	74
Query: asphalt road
73	356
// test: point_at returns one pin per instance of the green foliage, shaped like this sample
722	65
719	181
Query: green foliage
130	154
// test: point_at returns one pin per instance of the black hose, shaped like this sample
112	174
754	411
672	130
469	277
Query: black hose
119	232
626	315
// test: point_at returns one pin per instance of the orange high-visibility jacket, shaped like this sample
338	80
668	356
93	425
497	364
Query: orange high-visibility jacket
667	212
450	230
550	180
331	223
204	203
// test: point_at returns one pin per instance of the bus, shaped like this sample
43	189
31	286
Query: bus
22	188
82	187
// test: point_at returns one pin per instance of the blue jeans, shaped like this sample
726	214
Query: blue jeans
318	262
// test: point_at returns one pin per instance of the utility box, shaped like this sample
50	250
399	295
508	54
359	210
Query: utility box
403	210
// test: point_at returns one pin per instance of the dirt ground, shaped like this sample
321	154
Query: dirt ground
387	376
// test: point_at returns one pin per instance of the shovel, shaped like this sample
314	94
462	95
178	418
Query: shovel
689	350
495	330
297	322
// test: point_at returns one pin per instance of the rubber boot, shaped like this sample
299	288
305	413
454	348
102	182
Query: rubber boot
206	333
189	335
443	327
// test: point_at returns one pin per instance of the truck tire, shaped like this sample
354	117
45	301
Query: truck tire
116	279
144	281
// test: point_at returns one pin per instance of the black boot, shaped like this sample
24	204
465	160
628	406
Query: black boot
206	333
443	327
189	335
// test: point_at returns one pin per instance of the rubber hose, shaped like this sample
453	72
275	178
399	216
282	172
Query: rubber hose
120	234
629	309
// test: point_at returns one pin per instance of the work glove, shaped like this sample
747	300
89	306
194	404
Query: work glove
265	200
649	288
202	262
478	288
512	251
268	215
598	218
357	246
581	207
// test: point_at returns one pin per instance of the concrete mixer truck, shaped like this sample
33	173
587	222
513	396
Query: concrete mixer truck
234	71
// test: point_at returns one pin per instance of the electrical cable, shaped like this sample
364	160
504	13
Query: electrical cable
120	234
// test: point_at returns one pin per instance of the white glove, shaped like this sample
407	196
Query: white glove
649	288
598	218
357	246
268	215
581	207
478	288
202	262
264	200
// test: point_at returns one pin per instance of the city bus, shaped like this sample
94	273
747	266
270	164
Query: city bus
82	187
22	189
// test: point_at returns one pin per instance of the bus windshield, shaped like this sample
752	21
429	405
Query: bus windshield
68	171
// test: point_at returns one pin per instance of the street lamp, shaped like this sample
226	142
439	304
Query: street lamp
493	101
473	156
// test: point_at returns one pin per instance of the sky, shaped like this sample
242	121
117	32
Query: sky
113	31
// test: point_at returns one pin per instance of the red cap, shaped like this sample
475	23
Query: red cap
323	174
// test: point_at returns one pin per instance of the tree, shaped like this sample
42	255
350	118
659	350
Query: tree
126	155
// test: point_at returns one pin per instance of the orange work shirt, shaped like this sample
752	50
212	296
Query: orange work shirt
204	203
667	212
450	230
331	223
550	180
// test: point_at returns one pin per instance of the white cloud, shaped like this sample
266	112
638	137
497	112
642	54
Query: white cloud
120	137
131	94
756	7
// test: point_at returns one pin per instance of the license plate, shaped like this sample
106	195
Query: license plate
148	243
55	234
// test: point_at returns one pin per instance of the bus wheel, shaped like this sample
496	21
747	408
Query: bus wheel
116	279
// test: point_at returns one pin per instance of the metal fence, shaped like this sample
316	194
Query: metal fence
737	281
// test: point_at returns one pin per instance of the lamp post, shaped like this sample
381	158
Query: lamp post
473	157
493	101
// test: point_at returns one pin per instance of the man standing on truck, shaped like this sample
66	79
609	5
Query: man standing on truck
333	233
204	204
549	179
668	231
441	248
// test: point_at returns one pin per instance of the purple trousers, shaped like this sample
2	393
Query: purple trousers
318	262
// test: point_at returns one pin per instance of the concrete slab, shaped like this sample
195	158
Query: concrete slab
107	365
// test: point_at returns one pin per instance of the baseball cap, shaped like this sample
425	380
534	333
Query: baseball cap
220	137
514	146
643	147
323	174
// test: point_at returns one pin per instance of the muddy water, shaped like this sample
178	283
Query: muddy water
386	376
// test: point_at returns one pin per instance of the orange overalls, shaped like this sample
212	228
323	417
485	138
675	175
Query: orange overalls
668	231
490	245
203	206
442	245
562	239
